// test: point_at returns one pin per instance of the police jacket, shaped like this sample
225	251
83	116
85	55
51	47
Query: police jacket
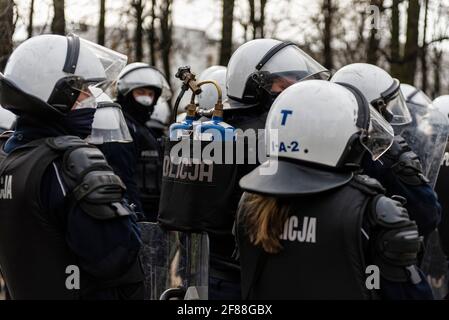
222	246
50	225
138	164
329	240
422	202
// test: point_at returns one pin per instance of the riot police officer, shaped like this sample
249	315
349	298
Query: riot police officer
399	170
257	72
310	228
65	232
139	88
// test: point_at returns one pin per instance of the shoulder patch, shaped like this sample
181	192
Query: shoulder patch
367	184
65	142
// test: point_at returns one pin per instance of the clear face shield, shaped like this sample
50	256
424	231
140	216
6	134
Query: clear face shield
109	124
112	61
392	106
99	78
286	67
420	98
379	136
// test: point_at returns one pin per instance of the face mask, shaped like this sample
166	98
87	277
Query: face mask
144	100
79	122
86	103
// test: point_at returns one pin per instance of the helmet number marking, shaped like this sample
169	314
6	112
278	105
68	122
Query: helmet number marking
286	147
285	114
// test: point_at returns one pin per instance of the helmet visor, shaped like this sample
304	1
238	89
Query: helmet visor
379	137
289	66
109	125
112	61
391	104
420	98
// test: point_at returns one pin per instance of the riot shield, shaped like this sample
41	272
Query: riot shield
427	135
175	264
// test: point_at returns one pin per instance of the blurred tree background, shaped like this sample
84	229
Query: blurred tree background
406	37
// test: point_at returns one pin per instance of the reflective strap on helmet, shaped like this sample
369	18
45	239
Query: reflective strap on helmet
73	50
410	97
392	91
363	116
272	52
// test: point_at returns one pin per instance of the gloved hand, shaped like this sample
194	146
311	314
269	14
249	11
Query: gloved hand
404	162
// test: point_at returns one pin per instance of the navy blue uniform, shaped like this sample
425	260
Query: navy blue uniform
422	202
106	250
137	163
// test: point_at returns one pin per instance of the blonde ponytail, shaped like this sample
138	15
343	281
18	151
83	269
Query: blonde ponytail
264	218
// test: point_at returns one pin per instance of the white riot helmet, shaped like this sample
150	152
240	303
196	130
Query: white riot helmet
323	125
414	95
260	69
208	97
208	71
46	74
442	104
109	124
160	117
379	88
7	119
140	75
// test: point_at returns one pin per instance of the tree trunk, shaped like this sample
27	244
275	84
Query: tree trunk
423	53
437	64
166	35
101	27
327	36
257	21
252	17
395	53
30	20
263	4
226	34
151	34
411	49
7	30
58	23
138	32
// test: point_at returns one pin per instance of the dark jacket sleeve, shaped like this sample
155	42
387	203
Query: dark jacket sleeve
406	290
122	157
391	290
105	248
422	202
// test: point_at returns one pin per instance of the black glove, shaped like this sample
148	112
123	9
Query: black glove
404	163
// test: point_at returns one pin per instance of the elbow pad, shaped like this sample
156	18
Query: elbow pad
395	239
92	183
409	170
